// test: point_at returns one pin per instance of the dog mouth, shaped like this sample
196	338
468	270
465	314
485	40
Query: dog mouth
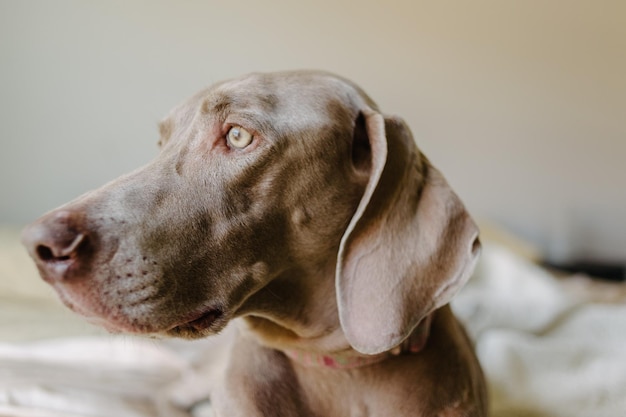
193	325
197	326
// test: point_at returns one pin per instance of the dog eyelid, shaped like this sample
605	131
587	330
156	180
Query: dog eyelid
238	137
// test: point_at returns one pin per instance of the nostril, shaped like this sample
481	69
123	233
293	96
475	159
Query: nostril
46	255
476	245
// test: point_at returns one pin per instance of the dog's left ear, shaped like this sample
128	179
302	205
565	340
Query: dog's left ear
409	247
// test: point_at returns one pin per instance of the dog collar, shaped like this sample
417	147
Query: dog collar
350	358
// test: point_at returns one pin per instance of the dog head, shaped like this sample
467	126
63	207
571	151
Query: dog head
257	177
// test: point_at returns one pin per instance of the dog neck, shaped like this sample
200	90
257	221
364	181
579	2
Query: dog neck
287	327
350	358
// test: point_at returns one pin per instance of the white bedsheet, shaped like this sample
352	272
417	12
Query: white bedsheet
547	351
86	376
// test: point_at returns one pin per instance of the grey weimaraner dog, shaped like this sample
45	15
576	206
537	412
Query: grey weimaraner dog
286	201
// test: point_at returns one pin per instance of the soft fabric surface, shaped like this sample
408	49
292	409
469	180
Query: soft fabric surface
549	347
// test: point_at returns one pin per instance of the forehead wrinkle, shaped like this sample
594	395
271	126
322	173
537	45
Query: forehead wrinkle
217	104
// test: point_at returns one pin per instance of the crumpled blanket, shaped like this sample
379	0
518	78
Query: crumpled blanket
547	351
85	376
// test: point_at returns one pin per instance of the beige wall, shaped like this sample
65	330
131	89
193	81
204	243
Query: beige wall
522	104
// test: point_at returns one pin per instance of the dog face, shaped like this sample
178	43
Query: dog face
270	178
254	177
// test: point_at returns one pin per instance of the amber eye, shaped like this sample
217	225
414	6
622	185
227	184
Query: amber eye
238	137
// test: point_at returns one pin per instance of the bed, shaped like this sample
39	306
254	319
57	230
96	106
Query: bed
550	346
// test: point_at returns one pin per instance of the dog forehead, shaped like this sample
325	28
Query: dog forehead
286	101
283	94
285	85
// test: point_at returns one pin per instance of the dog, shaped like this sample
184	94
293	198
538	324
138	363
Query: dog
288	203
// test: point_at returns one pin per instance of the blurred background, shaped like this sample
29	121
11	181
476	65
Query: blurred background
521	104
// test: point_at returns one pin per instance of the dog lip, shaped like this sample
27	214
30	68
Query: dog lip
201	322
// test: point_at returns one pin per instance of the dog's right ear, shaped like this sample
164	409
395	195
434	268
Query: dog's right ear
410	245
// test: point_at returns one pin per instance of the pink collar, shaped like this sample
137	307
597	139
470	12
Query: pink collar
350	358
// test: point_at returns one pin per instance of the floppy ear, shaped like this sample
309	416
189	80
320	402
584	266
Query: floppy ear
409	247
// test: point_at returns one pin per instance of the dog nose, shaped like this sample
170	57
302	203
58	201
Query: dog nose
58	243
